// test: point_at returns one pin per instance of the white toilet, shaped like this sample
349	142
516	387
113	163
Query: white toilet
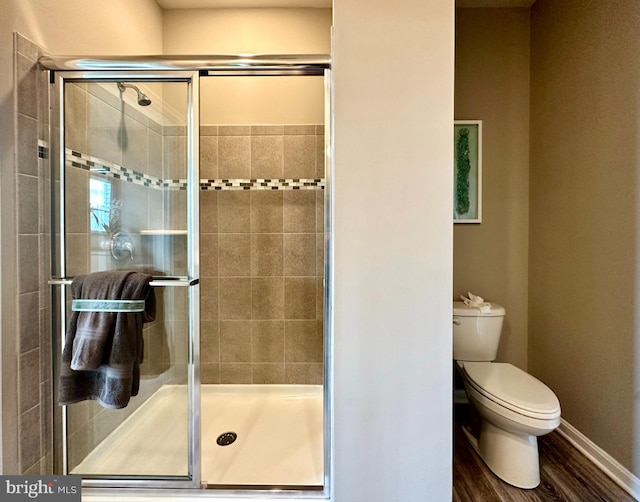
514	406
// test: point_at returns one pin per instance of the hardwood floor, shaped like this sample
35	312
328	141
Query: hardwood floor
566	474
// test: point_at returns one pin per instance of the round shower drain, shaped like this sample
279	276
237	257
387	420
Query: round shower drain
226	439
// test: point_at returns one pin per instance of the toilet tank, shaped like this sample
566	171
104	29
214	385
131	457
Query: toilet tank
476	334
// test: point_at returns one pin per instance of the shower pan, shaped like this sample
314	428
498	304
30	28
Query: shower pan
233	223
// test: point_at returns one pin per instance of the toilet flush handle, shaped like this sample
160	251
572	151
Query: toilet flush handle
457	321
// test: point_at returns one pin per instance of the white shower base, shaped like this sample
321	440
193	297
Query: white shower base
279	428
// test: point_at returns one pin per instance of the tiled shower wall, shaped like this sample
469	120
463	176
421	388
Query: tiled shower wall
262	257
35	443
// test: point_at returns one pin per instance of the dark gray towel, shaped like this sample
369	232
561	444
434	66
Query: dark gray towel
103	350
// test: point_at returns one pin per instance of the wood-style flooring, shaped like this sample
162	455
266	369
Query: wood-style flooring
565	473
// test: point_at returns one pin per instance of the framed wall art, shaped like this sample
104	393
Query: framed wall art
467	169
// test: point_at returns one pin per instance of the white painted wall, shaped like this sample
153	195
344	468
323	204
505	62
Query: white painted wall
393	64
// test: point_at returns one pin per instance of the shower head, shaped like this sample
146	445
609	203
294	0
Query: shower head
143	99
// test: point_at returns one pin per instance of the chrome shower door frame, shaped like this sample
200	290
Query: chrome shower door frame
191	281
190	69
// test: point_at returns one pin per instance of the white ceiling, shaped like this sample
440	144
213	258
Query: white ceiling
240	4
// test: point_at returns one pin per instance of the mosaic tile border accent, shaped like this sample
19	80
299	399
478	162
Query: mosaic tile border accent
88	163
99	166
264	184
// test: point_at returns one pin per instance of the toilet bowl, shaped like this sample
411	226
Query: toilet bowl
514	406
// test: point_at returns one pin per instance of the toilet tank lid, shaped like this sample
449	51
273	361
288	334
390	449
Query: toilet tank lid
462	310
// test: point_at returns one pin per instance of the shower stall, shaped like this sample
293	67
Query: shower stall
191	170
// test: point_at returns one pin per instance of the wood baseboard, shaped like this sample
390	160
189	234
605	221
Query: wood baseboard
605	462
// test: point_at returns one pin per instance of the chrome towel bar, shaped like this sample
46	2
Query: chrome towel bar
157	281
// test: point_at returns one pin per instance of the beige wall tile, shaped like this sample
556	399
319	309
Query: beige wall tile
320	160
209	341
174	156
208	157
154	341
210	373
304	373
268	373
267	130
208	255
208	211
77	200
300	129
46	427
135	207
154	167
28	259
320	255
267	298
154	126
134	143
320	298
28	201
235	341
299	211
299	156
266	254
266	211
267	157
300	254
208	130
103	135
209	299
235	373
234	130
75	110
234	212
26	47
235	298
29	432
27	145
26	76
29	382
234	157
174	130
29	331
234	255
300	297
303	342
155	212
320	195
176	304
267	341
175	207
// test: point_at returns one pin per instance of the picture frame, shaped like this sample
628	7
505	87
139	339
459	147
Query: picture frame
467	171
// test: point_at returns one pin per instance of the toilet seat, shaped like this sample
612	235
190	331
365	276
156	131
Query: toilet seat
512	388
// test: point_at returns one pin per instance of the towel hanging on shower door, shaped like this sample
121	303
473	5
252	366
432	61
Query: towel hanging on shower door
103	348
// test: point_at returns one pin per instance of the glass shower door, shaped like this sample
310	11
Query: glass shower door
126	200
